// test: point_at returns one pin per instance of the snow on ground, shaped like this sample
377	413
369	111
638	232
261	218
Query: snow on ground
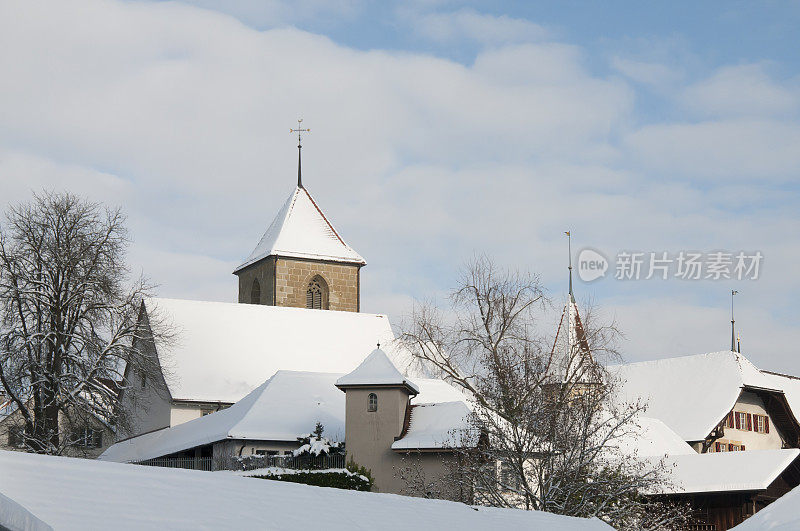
82	494
780	515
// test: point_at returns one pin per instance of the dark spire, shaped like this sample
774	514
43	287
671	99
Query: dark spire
299	131
733	326
569	244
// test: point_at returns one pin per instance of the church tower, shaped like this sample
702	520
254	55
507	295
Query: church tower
301	261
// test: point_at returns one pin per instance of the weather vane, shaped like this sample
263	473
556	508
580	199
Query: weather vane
299	132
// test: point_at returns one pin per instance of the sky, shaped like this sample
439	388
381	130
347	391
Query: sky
440	130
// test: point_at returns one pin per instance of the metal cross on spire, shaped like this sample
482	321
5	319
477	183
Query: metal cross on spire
299	132
733	328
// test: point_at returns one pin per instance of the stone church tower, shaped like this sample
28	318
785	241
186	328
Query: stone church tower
301	261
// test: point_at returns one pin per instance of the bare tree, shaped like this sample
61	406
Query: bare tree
69	319
547	421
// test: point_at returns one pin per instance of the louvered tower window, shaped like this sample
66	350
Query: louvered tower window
317	294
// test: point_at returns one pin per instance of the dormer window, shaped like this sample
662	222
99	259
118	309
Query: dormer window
372	402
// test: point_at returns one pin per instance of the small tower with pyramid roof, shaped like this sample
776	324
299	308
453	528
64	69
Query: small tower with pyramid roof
377	408
302	261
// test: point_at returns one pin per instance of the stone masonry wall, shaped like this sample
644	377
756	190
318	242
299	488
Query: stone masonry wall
264	272
294	275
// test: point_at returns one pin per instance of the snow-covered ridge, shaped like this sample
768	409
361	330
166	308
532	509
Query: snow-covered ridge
68	494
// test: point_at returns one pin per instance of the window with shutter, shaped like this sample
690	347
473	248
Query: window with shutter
738	421
716	447
749	422
317	294
766	424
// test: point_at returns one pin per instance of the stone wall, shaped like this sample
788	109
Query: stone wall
264	272
290	277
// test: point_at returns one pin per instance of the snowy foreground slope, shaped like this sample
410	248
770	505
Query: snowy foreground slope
781	515
64	493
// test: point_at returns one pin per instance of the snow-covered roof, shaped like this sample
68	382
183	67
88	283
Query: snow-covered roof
376	369
15	516
691	394
790	385
434	426
281	409
432	390
225	350
301	230
780	515
572	359
726	471
651	437
68	493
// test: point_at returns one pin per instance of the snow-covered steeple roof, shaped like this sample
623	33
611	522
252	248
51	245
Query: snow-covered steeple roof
301	230
571	358
378	370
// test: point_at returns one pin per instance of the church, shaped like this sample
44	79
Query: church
248	378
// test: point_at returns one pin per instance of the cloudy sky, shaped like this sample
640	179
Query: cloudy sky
440	130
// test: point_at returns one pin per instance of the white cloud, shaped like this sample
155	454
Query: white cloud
467	24
182	115
729	150
744	90
649	73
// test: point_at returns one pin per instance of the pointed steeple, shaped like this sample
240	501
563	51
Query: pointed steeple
571	354
301	230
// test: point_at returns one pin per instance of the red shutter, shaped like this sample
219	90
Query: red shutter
738	424
730	447
749	422
716	447
742	447
729	420
766	424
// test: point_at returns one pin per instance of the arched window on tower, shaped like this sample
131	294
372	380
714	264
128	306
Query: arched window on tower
317	294
372	402
255	292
